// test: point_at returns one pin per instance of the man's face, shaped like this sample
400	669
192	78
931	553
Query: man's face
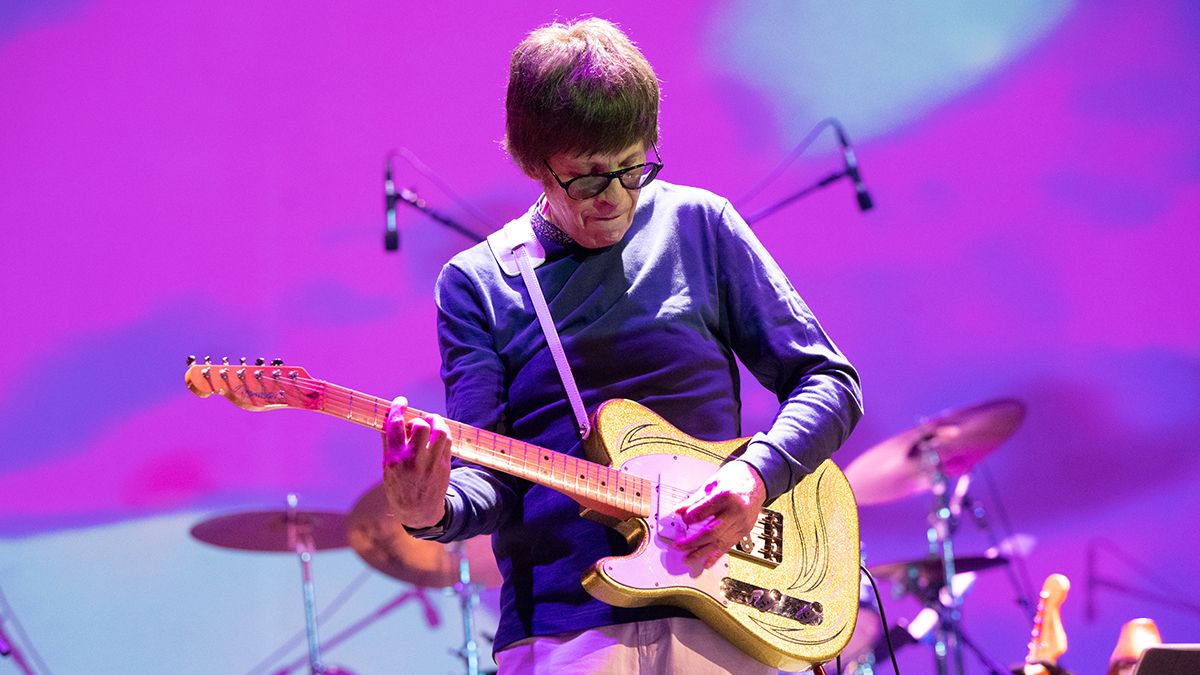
601	220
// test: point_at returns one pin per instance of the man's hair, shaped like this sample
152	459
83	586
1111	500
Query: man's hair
580	87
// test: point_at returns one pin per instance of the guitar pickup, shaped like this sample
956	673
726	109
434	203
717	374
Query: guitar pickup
773	601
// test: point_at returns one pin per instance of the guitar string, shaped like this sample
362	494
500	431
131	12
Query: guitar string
345	396
342	396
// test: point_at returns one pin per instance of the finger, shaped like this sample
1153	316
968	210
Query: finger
439	438
695	497
439	429
697	535
418	440
706	555
394	432
709	506
396	410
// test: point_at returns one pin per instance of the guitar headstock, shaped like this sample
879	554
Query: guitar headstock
1048	640
258	386
1054	590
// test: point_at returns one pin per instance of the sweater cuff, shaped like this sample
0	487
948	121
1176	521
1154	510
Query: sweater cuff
438	529
774	465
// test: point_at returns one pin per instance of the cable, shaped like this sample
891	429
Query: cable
882	618
796	152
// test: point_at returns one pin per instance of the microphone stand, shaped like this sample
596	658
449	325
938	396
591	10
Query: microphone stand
1164	596
764	212
412	199
1148	595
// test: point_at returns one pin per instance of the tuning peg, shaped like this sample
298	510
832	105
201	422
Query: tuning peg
191	359
242	360
224	360
259	361
208	360
277	362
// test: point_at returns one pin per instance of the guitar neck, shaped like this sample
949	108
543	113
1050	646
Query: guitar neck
594	485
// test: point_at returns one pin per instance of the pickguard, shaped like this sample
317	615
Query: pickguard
657	563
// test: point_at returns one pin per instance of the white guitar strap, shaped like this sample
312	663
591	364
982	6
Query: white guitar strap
517	245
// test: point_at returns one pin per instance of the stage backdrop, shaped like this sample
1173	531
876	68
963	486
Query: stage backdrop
206	178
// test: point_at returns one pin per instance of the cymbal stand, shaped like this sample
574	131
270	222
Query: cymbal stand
980	515
300	540
940	534
10	651
468	598
416	592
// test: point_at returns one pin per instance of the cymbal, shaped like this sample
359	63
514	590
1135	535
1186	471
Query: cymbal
895	468
268	530
929	571
380	540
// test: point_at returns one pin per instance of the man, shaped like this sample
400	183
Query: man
654	288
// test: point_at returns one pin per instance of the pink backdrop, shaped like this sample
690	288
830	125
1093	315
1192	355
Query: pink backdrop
206	179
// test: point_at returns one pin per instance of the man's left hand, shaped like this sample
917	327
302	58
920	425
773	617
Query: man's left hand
721	512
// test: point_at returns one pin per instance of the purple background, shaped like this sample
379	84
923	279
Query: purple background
205	178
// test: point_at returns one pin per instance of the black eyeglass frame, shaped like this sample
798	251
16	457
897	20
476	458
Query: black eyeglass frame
647	178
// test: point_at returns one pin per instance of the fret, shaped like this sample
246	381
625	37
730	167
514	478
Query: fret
576	477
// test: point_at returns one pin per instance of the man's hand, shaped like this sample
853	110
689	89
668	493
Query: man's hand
416	466
721	512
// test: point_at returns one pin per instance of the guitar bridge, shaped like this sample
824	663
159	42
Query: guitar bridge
773	601
765	541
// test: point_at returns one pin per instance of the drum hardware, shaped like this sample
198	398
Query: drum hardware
414	593
292	530
463	568
937	456
8	647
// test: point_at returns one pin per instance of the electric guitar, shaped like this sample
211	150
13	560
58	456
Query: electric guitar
1048	640
787	594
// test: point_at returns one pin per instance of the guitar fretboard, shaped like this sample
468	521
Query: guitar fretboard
587	482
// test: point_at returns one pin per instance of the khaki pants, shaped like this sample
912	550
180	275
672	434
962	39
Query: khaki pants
660	647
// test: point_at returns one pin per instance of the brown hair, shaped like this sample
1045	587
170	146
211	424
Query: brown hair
579	87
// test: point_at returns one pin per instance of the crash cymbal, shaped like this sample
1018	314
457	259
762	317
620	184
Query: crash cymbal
929	571
268	530
380	540
895	468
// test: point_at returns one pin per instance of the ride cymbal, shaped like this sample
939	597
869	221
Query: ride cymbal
899	467
268	531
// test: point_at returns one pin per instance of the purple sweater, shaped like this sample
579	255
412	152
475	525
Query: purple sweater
657	318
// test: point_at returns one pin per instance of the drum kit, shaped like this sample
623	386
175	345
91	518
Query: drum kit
380	541
937	456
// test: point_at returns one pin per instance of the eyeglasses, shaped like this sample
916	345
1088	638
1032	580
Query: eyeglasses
632	178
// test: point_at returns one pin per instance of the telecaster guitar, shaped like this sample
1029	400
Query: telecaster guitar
787	594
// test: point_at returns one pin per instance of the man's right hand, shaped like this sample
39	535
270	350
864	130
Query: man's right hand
416	466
